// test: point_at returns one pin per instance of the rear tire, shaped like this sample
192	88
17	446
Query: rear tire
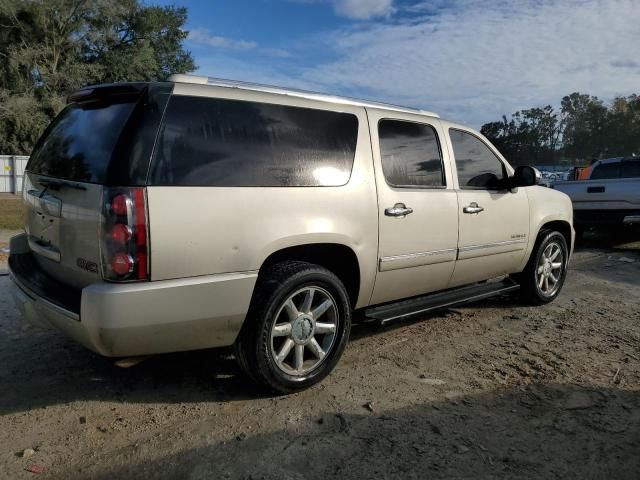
297	327
542	279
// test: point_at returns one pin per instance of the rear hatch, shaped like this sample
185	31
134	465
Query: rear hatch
102	141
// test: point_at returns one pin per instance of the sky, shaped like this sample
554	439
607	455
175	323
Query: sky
471	61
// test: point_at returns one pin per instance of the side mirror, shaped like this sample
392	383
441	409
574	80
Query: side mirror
525	176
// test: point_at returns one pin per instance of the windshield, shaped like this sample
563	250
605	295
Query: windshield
80	142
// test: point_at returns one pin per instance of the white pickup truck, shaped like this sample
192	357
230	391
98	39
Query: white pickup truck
609	198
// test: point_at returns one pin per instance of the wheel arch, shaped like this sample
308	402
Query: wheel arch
338	258
562	226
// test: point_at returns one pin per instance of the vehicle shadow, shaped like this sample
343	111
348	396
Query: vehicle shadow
541	431
614	239
43	368
619	254
46	368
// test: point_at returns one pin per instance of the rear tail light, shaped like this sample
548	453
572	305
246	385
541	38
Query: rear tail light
121	234
125	246
122	264
121	204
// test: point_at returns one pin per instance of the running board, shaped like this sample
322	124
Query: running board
433	301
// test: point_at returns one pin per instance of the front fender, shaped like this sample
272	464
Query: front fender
546	206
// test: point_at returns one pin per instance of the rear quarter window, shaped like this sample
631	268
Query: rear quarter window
233	143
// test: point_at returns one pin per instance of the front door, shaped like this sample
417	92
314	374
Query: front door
417	206
494	222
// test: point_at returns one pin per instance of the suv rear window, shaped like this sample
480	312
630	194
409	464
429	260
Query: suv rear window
79	143
106	136
232	143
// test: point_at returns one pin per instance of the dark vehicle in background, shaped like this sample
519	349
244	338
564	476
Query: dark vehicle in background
610	198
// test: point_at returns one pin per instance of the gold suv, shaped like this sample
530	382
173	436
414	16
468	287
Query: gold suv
202	213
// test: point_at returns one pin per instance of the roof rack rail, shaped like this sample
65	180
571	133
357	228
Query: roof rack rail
257	87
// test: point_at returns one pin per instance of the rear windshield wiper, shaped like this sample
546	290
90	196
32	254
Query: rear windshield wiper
58	184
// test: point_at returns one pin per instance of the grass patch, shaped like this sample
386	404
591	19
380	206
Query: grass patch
11	213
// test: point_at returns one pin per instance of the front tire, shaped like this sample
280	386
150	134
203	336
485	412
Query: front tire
543	277
297	327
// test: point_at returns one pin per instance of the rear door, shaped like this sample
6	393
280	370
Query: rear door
417	206
493	221
102	138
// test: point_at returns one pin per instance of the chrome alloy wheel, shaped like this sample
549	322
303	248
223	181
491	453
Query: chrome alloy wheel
304	330
549	270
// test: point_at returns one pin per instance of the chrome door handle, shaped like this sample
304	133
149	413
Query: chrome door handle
398	210
473	208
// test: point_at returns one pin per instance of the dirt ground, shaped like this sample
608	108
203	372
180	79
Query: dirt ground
491	390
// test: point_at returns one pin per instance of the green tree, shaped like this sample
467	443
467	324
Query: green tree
529	137
49	48
583	130
585	119
622	129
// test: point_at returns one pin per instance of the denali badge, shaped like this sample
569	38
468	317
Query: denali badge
87	265
518	235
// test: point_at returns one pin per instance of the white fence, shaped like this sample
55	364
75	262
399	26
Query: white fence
11	173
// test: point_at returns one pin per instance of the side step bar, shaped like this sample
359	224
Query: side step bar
433	301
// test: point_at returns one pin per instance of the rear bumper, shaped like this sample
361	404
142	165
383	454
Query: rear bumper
144	318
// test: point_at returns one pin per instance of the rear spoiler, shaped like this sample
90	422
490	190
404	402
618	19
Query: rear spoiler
99	92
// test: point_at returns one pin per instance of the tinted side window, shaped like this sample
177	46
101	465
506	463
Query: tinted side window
224	143
631	169
606	170
410	154
477	165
